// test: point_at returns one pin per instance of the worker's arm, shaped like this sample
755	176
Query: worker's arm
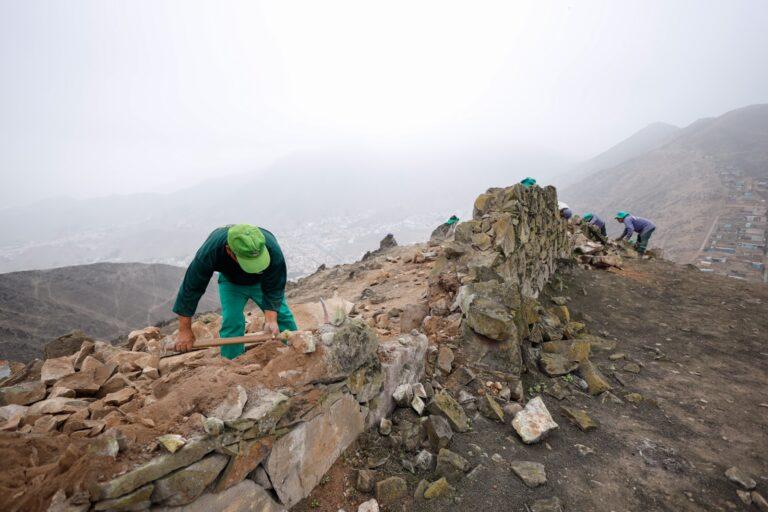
192	288
186	338
273	287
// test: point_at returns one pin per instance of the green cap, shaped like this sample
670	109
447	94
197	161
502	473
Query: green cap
249	246
528	182
622	215
587	216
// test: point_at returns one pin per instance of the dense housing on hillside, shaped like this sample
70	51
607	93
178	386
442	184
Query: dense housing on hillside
736	245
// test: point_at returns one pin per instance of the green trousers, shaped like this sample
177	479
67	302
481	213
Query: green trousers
233	299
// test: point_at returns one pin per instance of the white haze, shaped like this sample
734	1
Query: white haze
111	97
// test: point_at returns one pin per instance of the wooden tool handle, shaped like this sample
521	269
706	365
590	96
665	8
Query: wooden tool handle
217	342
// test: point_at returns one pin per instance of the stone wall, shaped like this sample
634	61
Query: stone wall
493	270
269	424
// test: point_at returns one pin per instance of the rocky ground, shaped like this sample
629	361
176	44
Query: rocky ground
686	362
626	384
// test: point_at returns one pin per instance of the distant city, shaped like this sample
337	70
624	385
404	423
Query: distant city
736	244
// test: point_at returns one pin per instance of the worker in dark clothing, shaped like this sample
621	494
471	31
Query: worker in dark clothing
250	264
594	220
643	227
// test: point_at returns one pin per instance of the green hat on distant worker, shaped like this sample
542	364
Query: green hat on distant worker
528	182
622	215
587	217
249	246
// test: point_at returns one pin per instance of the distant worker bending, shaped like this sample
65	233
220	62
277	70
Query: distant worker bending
565	211
594	220
643	227
250	264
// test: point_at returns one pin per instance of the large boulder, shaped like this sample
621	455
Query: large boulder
402	362
300	458
349	348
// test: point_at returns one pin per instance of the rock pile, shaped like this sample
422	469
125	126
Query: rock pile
126	429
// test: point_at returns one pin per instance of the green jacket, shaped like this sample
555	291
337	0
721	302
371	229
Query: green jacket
212	257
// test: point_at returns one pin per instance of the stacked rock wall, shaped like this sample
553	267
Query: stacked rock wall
183	432
494	269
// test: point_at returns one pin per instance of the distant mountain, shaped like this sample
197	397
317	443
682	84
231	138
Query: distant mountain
650	137
678	184
323	206
105	300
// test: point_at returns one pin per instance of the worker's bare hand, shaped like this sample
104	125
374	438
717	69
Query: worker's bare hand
270	323
272	328
185	340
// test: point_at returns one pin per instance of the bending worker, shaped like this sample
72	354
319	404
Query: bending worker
565	212
250	266
632	224
594	220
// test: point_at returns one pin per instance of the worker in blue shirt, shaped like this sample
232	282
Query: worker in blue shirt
632	224
594	220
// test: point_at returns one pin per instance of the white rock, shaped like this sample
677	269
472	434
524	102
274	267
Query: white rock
418	405
419	391
403	395
402	361
369	506
534	422
232	406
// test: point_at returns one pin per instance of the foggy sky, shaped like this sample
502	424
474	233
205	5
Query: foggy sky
102	97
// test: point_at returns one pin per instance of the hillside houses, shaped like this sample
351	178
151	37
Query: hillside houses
736	245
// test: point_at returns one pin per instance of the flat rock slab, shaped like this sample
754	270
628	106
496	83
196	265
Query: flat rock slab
741	478
22	394
56	368
246	496
300	458
156	468
534	422
532	474
183	486
249	456
547	505
57	406
580	418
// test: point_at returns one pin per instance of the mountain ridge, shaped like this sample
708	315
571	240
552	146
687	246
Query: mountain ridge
103	299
